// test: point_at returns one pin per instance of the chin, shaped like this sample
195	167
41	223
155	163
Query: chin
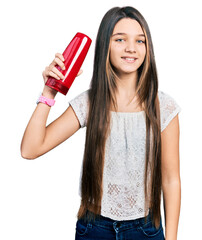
128	71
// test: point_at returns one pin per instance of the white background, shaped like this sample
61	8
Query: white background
39	199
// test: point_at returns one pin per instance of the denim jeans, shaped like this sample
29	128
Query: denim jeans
106	228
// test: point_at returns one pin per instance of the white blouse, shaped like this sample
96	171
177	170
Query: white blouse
124	165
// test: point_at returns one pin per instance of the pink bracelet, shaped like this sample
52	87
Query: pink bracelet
47	101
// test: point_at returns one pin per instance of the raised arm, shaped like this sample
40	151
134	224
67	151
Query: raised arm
39	138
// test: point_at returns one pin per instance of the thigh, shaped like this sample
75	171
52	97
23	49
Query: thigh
91	231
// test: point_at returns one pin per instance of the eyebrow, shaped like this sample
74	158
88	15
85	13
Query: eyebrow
140	35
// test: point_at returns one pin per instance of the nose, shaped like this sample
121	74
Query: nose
130	47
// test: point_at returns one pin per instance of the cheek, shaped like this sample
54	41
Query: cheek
115	50
112	56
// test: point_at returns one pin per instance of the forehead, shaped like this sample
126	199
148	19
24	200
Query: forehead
128	26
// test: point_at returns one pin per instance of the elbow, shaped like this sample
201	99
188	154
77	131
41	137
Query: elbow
174	182
27	155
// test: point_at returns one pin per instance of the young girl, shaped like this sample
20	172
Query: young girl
132	136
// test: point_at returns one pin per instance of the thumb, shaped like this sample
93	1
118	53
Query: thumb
80	72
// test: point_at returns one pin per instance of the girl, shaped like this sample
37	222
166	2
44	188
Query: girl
132	136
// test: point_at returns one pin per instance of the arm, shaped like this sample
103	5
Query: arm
171	178
39	139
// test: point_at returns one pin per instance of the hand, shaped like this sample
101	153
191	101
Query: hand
52	71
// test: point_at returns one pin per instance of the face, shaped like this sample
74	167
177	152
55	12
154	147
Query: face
127	47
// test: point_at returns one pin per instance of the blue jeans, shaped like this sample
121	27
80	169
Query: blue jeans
106	228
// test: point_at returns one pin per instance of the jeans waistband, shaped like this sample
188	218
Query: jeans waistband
106	222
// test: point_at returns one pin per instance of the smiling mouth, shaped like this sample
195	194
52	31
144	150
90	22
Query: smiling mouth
129	59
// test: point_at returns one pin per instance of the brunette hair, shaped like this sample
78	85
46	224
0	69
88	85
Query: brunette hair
101	98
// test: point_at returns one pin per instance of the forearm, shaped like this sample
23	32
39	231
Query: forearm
36	129
172	202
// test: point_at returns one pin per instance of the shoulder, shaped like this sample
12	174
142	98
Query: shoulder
81	97
164	96
167	102
169	108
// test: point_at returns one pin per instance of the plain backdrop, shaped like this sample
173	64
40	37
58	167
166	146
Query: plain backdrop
39	198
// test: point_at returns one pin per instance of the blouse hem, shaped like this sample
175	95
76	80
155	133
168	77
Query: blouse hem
124	218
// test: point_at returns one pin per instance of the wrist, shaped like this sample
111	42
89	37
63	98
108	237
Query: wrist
48	101
49	92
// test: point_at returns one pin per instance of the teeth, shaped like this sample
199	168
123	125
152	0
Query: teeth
130	59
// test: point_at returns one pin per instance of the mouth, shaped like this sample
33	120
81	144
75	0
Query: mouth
129	59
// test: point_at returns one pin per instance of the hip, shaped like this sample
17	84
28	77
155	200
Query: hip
106	228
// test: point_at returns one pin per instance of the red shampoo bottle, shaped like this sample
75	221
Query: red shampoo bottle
74	56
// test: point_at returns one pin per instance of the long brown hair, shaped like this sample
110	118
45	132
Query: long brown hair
101	98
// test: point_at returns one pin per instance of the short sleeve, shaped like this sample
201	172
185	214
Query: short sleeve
168	109
80	107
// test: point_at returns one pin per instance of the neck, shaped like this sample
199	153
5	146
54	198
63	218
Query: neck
126	84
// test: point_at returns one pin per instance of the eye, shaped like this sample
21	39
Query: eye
140	41
119	40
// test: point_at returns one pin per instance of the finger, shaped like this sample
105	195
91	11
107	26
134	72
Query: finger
52	74
80	72
59	62
57	72
60	56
